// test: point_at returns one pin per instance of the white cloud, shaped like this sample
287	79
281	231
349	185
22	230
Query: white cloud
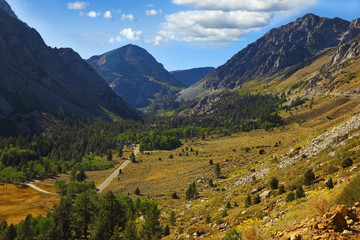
248	5
221	21
108	15
93	14
126	34
129	17
153	12
77	5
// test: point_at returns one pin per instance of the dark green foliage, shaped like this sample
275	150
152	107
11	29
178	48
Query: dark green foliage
290	197
83	213
228	205
300	193
132	157
137	191
233	235
208	219
274	183
171	156
281	189
248	201
191	191
261	151
347	163
25	231
217	170
224	213
172	218
9	233
174	195
329	183
81	176
154	141
109	155
257	199
211	162
151	229
62	217
166	230
309	177
211	183
130	232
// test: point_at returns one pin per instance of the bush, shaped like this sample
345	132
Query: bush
175	195
281	189
137	191
347	163
228	205
233	235
274	183
171	156
248	201
211	183
257	199
290	197
309	177
329	183
261	151
300	193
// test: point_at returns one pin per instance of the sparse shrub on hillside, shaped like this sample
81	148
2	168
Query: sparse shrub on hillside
211	183
171	156
191	191
332	169
350	193
281	189
233	235
211	162
172	218
274	183
347	163
329	183
137	191
248	201
309	177
218	170
166	230
224	213
228	205
174	195
208	218
261	151
290	197
300	193
257	199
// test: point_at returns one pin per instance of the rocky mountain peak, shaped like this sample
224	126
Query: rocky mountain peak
6	7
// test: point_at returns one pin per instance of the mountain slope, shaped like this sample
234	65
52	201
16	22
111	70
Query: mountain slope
134	74
281	51
35	77
191	76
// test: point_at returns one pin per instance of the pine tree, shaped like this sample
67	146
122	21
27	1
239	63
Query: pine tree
83	212
109	155
137	191
130	232
300	193
257	199
274	183
329	183
81	176
309	177
166	230
61	217
151	229
172	218
218	170
25	231
248	201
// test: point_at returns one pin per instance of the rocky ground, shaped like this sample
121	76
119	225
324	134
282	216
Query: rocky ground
339	223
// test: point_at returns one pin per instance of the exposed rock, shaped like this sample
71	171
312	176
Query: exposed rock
338	222
265	194
343	210
296	237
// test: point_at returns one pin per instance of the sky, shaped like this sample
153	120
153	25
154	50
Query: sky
180	34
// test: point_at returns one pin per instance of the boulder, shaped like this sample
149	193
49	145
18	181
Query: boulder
338	222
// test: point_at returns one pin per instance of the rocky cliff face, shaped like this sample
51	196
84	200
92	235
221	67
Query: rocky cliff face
134	74
281	48
6	7
35	77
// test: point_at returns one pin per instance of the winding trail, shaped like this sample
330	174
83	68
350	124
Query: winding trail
103	185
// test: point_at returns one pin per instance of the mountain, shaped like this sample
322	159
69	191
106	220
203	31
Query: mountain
281	51
134	74
191	76
6	7
37	78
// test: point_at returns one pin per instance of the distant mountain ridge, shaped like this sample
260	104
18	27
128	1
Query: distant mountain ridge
282	50
191	76
37	78
6	7
134	74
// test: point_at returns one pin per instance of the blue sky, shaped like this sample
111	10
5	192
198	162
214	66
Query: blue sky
180	34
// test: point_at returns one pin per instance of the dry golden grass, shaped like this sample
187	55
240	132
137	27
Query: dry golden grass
17	203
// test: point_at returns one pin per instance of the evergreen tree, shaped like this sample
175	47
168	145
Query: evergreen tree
290	197
257	199
73	174
274	183
132	157
130	232
137	191
191	191
25	230
166	230
211	183
83	213
248	201
81	176
61	217
281	189
151	229
9	233
109	156
309	177
218	170
329	183
300	193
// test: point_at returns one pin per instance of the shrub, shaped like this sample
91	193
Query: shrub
137	191
247	201
166	230
309	177
274	183
290	197
228	205
211	183
300	193
233	235
218	170
224	213
347	163
329	183
174	195
208	219
257	199
261	151
211	162
281	189
171	156
172	218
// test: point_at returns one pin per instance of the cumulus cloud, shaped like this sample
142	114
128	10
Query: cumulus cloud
223	20
77	5
93	14
108	15
153	12
247	5
128	17
126	34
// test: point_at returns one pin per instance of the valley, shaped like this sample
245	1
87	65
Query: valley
265	146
